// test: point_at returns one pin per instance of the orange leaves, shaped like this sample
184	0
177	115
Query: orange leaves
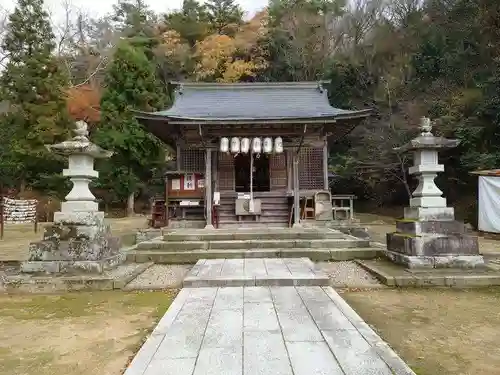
214	53
238	69
83	103
229	59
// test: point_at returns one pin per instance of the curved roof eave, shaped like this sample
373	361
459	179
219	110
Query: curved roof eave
156	116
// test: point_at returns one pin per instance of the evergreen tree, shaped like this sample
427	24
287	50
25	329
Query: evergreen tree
191	22
33	85
130	85
222	14
137	23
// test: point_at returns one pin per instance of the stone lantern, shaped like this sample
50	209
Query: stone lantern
78	240
429	235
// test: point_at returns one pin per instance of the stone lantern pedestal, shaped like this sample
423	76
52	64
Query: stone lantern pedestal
429	236
78	240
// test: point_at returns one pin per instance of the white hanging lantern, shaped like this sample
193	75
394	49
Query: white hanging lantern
224	144
235	145
245	145
268	145
256	146
278	145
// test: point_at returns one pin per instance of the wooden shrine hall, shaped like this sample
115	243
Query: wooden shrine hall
249	153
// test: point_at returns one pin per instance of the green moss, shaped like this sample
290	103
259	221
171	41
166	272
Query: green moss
82	304
128	239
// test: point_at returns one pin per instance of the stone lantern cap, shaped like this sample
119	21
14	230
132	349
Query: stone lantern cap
427	141
80	144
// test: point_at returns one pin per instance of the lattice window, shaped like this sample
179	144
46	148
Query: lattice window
193	160
226	172
311	174
277	169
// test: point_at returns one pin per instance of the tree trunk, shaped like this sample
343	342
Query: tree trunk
22	186
130	205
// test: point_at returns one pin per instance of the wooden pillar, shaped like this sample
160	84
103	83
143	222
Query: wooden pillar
296	191
167	216
289	170
325	164
208	188
178	159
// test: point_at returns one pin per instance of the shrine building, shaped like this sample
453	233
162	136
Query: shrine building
249	154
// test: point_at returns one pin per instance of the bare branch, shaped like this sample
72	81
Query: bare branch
4	16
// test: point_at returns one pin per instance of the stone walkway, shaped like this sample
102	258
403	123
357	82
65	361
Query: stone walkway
255	272
264	331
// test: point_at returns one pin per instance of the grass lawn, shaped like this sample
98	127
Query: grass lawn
78	333
437	331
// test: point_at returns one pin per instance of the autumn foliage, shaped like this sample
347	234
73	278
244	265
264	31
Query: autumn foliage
231	59
83	103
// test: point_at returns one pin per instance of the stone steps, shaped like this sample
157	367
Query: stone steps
270	222
192	256
243	235
252	244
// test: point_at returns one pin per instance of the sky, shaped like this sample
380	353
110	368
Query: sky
101	7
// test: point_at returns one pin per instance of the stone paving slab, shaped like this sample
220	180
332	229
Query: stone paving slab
264	331
255	272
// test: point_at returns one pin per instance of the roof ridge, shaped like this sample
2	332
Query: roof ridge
249	85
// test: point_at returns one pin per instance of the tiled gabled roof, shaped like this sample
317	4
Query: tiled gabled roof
252	101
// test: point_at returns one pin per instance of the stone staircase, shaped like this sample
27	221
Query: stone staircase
188	246
274	212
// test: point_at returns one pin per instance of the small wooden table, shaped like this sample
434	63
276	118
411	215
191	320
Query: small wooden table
339	204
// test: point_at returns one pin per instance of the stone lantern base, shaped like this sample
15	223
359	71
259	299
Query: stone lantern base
77	242
433	244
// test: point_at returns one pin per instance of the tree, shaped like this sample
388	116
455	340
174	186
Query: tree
137	22
232	59
173	56
130	85
224	16
3	29
302	38
33	84
83	103
191	22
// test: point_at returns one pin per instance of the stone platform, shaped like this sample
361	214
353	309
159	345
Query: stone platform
189	246
264	331
255	272
392	274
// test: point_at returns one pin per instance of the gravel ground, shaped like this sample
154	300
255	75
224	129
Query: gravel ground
348	275
122	270
160	276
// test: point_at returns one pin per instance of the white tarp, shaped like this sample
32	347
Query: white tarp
489	204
